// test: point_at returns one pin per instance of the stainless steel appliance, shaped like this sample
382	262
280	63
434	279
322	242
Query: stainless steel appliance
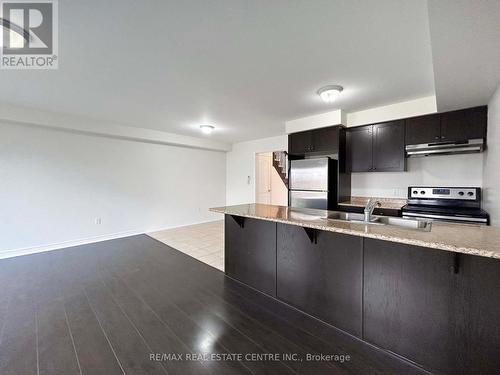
452	204
313	183
445	148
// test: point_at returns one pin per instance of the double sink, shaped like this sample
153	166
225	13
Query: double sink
310	214
381	220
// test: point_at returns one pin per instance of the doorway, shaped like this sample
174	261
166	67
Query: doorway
270	186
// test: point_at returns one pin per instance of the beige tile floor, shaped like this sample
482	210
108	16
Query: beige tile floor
204	242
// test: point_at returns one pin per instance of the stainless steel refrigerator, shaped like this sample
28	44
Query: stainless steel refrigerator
313	183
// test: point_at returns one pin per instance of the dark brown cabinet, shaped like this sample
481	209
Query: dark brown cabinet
299	143
389	147
377	148
476	315
323	140
464	124
407	301
423	129
323	279
250	252
326	139
360	149
454	126
436	308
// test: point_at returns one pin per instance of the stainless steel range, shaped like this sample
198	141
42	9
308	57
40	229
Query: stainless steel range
452	204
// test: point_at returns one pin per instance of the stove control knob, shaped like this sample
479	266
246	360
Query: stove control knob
470	193
460	193
415	192
422	192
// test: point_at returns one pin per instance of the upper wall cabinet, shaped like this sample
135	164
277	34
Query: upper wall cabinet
464	124
377	148
323	140
452	126
360	149
423	129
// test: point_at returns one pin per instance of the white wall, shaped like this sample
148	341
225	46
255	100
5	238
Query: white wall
240	184
446	170
55	184
410	108
336	117
491	176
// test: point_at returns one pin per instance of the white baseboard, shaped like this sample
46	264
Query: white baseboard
62	245
150	231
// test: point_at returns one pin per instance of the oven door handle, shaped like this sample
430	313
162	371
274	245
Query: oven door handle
456	218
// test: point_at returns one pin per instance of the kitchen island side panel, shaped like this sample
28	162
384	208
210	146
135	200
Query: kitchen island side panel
322	277
250	252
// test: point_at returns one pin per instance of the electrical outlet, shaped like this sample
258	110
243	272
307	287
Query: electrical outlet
98	221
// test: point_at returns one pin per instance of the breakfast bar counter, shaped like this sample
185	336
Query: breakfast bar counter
430	296
471	239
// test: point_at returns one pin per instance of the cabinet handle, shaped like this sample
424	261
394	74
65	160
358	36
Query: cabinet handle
436	137
443	137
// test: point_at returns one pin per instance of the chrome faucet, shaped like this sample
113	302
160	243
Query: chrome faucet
370	206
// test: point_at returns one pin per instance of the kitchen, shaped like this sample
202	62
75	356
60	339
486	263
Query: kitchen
379	268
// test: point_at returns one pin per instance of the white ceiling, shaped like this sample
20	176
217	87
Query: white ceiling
245	66
465	37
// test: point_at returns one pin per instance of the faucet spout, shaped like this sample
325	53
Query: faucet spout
370	206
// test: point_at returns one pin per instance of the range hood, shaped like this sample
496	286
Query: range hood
445	148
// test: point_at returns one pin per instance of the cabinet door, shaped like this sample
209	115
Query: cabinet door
408	302
423	129
464	124
250	252
323	279
476	315
299	143
389	147
360	149
326	140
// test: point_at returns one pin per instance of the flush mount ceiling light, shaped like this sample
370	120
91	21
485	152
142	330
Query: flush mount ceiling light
330	93
207	129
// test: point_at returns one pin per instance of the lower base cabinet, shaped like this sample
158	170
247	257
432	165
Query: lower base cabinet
436	308
439	309
250	252
322	278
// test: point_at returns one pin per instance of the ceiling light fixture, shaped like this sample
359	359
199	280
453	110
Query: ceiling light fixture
330	93
207	129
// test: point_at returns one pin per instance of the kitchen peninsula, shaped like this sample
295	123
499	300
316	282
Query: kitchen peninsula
431	297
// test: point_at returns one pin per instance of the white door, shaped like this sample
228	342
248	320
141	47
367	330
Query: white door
263	165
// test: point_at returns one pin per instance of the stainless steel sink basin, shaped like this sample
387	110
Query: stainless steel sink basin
348	216
381	220
405	223
314	215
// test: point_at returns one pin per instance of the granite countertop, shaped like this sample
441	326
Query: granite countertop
390	203
461	238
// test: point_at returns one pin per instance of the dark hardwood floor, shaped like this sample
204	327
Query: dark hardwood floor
106	308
